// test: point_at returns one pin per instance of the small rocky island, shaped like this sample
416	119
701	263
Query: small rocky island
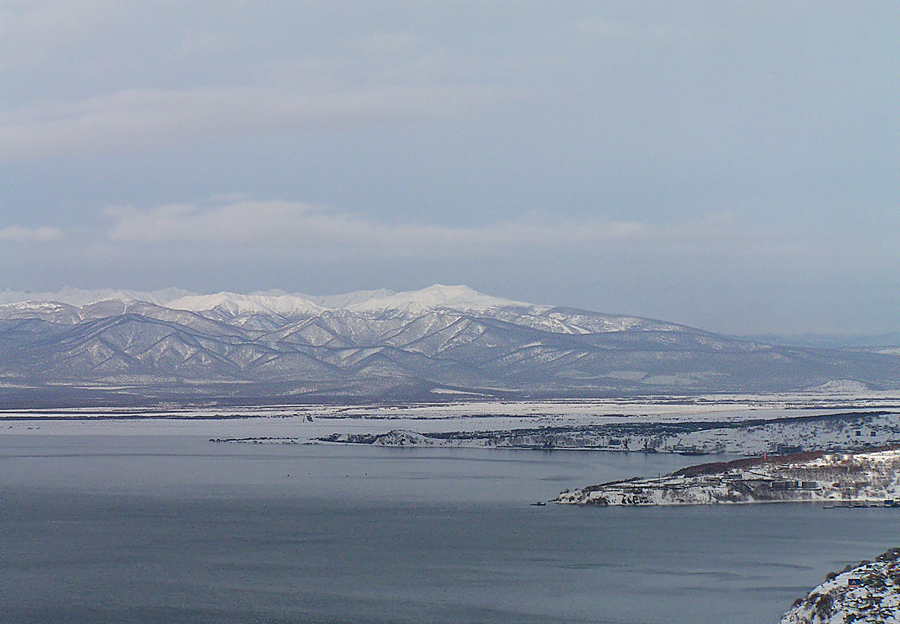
864	479
867	592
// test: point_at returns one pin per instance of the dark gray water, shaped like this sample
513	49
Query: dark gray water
181	530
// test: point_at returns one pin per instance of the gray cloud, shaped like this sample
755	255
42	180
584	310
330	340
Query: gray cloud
19	234
255	222
152	117
729	165
31	31
604	29
233	222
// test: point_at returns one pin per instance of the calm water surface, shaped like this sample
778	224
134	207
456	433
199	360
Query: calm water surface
177	529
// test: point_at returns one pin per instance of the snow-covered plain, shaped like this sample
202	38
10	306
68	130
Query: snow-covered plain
735	424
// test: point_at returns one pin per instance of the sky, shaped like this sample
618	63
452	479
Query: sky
733	166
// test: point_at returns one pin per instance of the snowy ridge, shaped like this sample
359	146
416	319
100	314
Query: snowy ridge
410	345
242	305
344	301
78	297
436	297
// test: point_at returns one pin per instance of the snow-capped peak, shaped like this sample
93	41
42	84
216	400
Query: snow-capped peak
437	297
79	297
240	305
343	301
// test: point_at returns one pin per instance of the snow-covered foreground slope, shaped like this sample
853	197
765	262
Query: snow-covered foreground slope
868	478
867	592
113	347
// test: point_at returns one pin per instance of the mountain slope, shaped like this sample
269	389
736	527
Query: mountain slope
378	343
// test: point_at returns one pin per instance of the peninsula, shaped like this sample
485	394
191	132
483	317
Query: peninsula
870	478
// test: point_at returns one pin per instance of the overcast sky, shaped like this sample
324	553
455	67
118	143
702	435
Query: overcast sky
729	165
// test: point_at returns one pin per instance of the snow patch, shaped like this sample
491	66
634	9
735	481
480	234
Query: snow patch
842	386
437	297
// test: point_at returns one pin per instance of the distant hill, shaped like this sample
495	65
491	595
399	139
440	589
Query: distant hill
842	341
102	347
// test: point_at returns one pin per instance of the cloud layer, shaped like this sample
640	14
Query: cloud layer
728	165
155	117
19	234
30	32
250	222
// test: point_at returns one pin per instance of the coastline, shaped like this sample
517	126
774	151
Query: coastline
865	479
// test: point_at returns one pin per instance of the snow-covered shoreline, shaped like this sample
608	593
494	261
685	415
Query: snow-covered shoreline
737	426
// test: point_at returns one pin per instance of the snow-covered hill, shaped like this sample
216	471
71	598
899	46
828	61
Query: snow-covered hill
383	344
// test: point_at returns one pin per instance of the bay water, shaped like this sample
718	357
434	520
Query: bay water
114	529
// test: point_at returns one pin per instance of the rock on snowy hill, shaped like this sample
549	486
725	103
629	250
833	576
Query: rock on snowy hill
867	592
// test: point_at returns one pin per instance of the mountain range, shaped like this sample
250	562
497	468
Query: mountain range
78	347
